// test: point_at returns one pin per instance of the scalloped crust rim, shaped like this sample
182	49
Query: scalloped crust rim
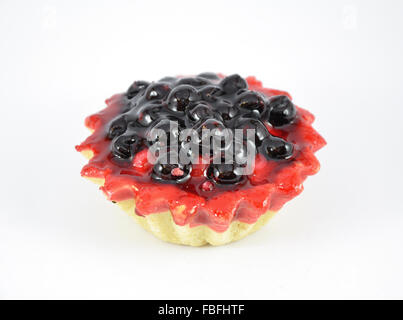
163	226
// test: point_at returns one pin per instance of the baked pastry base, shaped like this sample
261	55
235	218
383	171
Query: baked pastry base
164	227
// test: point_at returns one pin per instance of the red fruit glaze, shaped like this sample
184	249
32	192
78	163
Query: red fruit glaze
271	185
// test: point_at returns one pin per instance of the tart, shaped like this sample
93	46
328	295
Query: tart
204	199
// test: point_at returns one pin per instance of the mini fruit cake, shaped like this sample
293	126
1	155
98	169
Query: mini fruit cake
203	202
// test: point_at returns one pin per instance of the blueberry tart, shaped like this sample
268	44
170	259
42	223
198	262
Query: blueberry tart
204	159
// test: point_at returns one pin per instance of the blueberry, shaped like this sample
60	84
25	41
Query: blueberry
125	146
213	140
251	101
233	83
157	91
226	110
195	82
281	111
171	172
211	93
189	151
216	127
117	127
199	112
225	174
147	114
261	131
166	125
241	150
209	75
168	79
135	88
181	97
274	148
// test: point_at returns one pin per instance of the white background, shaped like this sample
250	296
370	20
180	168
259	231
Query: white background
342	60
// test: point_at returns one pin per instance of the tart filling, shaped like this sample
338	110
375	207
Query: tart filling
206	192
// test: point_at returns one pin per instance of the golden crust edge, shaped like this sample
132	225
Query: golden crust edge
162	225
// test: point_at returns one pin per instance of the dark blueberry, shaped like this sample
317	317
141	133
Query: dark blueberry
125	146
214	140
199	112
274	148
216	127
181	97
211	93
251	101
261	131
242	149
233	83
240	91
209	75
171	172
157	91
281	111
225	174
189	151
135	88
168	79
147	114
195	82
117	127
226	110
166	126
